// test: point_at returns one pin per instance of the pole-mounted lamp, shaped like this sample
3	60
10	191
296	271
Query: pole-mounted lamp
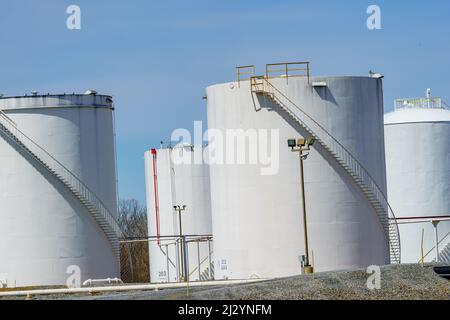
300	146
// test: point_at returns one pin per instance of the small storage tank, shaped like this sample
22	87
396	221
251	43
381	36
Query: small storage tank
257	215
417	135
57	190
175	178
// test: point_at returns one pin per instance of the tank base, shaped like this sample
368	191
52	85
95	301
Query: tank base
307	270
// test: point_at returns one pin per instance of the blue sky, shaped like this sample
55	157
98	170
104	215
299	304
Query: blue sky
157	57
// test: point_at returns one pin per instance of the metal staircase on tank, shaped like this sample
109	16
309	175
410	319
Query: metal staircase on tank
104	219
444	250
261	85
444	254
208	273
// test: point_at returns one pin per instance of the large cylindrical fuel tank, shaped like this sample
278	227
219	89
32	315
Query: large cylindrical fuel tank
257	207
418	175
179	246
57	190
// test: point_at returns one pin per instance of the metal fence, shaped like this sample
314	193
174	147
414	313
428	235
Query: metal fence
187	258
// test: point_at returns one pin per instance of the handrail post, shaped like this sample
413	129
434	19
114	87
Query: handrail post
209	259
307	71
167	262
287	75
239	73
198	260
352	164
238	77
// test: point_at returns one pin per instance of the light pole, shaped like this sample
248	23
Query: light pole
180	209
301	145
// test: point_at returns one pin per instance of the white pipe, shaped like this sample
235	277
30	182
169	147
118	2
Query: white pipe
90	282
127	288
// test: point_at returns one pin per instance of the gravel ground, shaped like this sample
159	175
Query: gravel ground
397	283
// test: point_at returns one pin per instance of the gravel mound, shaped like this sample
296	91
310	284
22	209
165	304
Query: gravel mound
398	282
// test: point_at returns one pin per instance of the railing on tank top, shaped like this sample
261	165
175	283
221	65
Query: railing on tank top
244	73
276	70
58	169
420	103
288	69
261	84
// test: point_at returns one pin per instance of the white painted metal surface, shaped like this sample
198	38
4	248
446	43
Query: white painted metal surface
45	227
177	184
418	175
257	224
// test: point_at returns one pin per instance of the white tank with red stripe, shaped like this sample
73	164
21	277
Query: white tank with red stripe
170	183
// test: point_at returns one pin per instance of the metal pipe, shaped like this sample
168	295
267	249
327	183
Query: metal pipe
90	282
92	290
420	221
180	209
423	217
183	274
421	248
185	257
167	263
177	260
166	237
155	189
209	259
198	260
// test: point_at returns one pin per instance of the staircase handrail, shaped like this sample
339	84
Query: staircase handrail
359	169
76	182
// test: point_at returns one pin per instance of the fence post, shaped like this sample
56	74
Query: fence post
167	262
198	260
287	74
185	259
177	249
307	70
209	259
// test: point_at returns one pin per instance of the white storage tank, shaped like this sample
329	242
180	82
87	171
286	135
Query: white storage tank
175	178
417	135
257	217
57	190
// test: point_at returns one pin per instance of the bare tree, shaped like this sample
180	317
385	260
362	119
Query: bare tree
134	255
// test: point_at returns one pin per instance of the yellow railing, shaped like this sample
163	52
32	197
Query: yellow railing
244	73
288	69
274	70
